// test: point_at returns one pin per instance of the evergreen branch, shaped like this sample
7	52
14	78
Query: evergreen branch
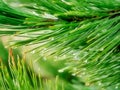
84	33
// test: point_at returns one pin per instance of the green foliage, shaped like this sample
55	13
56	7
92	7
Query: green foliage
82	33
25	79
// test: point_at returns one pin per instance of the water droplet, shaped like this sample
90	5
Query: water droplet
49	16
84	69
99	83
33	52
61	70
73	74
35	13
86	61
87	83
97	35
101	49
91	49
43	51
74	54
44	58
52	38
83	73
76	57
116	87
104	30
74	69
80	47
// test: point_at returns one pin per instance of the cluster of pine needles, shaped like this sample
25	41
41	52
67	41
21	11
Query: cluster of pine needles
83	35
